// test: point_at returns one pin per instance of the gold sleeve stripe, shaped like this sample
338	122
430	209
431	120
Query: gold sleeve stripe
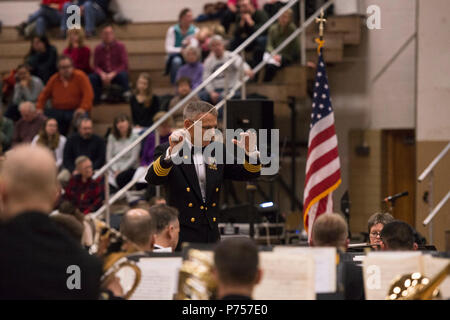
159	170
252	167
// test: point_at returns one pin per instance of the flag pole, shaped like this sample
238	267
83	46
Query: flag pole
321	21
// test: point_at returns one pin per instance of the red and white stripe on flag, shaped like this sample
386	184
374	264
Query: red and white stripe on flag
323	174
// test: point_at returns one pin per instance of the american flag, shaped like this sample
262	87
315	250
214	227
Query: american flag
323	173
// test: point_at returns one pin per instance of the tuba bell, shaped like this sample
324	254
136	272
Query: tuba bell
415	286
114	250
195	280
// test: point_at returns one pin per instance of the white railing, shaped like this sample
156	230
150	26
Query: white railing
235	54
433	211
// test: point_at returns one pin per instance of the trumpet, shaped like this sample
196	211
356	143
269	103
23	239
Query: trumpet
114	249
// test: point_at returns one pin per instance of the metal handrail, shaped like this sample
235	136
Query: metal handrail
234	56
231	93
433	163
436	209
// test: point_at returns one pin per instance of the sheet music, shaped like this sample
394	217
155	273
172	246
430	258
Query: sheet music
286	277
324	262
431	267
159	280
380	269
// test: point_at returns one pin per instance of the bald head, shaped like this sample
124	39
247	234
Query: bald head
139	227
330	230
28	180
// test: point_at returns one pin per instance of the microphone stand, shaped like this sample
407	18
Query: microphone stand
251	189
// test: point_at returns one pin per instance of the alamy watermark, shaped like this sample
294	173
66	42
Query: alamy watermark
373	21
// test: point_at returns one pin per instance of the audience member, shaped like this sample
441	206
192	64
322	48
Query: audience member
29	125
139	227
82	191
164	130
35	254
70	94
49	15
93	11
215	90
156	200
183	89
398	236
110	65
212	11
121	137
248	20
42	58
78	51
375	224
50	138
167	227
279	32
27	88
193	69
330	230
271	7
175	37
144	104
229	16
236	269
6	133
84	143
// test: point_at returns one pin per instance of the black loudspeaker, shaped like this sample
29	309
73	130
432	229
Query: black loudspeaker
250	114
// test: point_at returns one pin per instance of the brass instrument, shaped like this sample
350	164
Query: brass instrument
114	249
415	286
196	281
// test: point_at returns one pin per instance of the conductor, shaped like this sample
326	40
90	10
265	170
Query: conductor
193	176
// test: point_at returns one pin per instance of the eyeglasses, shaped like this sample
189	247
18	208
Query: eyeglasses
375	234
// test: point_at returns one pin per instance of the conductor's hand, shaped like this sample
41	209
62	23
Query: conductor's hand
176	141
247	141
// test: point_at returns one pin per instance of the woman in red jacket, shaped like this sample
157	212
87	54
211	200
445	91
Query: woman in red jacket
76	50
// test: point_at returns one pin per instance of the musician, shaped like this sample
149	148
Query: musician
38	259
398	235
375	224
193	185
331	230
167	227
236	268
139	227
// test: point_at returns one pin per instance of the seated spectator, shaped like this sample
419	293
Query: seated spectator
248	20
183	89
67	208
6	133
139	227
164	130
215	90
212	11
175	41
236	268
82	191
193	69
110	66
271	7
229	16
398	236
70	94
279	32
29	125
144	104
375	224
77	51
27	88
34	253
49	15
84	143
331	230
167	227
42	58
93	11
121	137
49	137
157	200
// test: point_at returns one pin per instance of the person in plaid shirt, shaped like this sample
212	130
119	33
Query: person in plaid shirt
82	191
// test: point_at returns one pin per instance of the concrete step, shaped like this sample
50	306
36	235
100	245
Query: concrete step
348	26
105	113
277	92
